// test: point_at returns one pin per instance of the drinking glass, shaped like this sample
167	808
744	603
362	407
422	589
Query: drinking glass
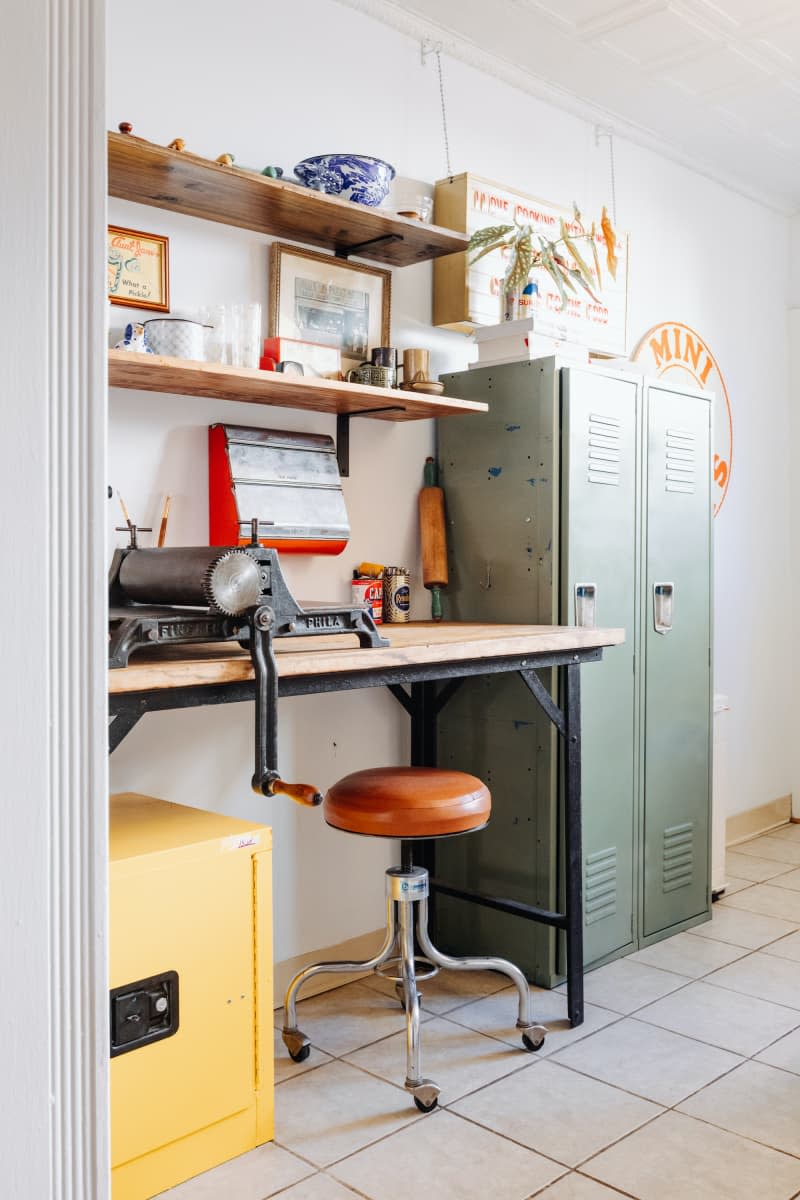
245	334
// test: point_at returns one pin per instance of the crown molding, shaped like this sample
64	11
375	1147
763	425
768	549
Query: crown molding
421	29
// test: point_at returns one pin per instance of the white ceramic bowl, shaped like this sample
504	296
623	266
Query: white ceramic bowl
176	337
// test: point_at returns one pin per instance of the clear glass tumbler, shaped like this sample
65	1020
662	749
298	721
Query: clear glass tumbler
217	338
245	334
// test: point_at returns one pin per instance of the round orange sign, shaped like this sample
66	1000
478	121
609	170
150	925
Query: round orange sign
672	348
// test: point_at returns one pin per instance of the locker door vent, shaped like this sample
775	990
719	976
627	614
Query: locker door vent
680	462
604	449
678	862
600	885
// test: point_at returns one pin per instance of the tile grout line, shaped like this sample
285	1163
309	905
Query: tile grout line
615	1191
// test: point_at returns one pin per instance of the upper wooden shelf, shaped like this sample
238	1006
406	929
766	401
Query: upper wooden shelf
155	373
183	182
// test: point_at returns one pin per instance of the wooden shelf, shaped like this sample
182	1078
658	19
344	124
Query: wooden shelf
155	373
183	182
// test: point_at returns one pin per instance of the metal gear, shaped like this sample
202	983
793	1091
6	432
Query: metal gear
232	583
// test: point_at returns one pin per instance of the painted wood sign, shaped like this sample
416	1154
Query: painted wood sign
673	349
466	297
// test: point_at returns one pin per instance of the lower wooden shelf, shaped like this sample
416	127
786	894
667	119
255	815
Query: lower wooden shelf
155	373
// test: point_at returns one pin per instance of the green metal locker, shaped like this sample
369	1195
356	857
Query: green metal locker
501	477
677	658
599	539
546	523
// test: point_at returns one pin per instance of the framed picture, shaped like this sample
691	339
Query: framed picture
319	298
138	269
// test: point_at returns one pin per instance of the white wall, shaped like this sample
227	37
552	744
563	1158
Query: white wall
274	83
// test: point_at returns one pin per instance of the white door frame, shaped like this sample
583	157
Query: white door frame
53	849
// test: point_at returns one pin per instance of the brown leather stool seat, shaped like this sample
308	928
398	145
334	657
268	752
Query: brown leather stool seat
408	802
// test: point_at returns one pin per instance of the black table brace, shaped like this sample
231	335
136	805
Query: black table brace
423	703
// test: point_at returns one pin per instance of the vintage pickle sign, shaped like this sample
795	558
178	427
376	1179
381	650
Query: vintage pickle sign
676	351
466	296
138	269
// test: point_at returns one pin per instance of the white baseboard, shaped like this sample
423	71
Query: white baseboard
357	949
753	821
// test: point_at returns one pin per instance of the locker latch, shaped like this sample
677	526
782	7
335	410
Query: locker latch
662	606
144	1011
585	597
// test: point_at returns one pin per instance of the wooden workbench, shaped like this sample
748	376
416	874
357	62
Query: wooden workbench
418	644
422	666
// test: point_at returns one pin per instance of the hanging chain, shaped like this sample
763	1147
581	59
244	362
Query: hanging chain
444	113
601	131
613	176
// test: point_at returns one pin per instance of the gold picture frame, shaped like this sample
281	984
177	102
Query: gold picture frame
138	269
319	298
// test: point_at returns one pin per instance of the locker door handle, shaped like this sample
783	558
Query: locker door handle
585	606
663	595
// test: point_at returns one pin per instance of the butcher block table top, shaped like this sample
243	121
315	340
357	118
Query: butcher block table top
419	643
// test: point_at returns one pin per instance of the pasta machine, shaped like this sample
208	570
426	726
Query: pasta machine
191	594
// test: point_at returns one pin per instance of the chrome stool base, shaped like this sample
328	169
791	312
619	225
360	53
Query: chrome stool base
406	889
423	968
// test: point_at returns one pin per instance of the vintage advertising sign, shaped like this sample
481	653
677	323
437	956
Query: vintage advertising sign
138	269
469	296
673	349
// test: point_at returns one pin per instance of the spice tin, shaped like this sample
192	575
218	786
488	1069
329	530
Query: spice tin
369	591
396	595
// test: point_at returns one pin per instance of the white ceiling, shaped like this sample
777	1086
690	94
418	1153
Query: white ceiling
715	83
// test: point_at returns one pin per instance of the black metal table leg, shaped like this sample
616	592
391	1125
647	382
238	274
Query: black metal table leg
572	838
424	709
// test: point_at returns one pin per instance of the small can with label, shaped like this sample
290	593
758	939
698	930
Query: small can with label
369	591
396	595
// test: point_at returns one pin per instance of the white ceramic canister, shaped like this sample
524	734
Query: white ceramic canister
176	337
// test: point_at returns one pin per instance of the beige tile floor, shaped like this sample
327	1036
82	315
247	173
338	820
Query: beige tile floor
682	1084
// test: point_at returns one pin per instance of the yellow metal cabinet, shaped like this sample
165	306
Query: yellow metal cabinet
190	940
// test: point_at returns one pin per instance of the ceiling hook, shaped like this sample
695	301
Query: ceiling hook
428	46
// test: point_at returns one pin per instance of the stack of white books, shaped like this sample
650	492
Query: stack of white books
522	341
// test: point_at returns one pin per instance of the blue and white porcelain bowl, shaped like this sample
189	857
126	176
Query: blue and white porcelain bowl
355	177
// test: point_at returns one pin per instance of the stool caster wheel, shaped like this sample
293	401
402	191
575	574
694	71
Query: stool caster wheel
425	1093
297	1044
533	1037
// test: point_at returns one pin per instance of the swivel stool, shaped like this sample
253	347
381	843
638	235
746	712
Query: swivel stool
409	803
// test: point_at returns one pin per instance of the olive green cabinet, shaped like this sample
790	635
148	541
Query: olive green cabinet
582	497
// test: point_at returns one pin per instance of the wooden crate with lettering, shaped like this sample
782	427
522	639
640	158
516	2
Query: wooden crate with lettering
466	296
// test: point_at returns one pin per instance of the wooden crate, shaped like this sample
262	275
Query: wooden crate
466	297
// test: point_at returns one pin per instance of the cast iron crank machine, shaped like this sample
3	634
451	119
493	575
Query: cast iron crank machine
191	594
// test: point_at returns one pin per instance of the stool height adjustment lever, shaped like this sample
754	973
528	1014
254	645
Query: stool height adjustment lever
266	780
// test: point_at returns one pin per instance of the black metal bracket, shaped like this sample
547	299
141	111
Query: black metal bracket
544	699
360	247
440	697
343	434
343	444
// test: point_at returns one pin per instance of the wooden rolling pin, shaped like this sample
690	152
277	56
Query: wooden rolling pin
432	537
